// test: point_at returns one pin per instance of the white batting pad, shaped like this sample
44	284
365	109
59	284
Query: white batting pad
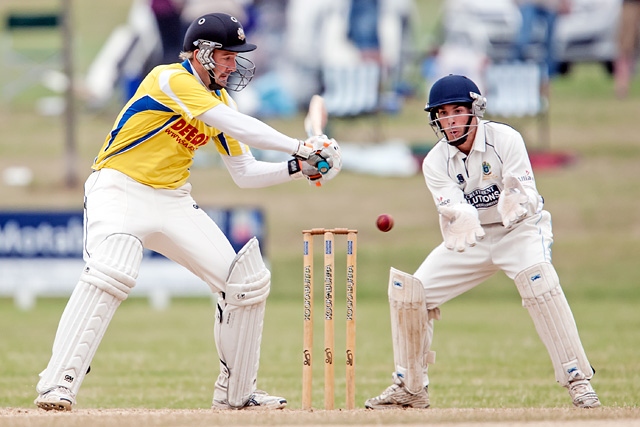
106	281
409	322
542	295
239	325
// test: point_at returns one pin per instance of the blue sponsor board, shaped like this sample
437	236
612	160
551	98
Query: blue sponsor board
39	234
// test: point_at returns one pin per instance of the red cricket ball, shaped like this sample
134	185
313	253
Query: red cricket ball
384	222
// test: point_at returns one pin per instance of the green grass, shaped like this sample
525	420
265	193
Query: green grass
167	359
489	355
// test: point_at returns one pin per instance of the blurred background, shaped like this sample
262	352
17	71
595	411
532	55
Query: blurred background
559	75
564	77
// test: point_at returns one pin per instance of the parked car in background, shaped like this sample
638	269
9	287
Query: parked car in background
587	34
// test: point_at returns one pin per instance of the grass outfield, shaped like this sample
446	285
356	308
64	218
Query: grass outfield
489	355
158	367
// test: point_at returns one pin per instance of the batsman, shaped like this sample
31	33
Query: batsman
139	196
491	218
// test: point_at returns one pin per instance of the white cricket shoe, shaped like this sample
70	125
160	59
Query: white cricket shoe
258	400
581	391
58	399
396	396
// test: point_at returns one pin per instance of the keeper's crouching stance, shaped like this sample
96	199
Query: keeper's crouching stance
491	219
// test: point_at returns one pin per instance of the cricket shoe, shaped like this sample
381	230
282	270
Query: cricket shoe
397	396
581	391
259	400
58	399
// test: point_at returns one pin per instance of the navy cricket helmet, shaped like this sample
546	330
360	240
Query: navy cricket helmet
452	89
220	28
224	32
455	90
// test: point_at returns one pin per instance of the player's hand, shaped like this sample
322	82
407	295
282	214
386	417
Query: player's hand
304	150
299	169
322	153
513	202
310	172
310	146
460	226
309	151
330	153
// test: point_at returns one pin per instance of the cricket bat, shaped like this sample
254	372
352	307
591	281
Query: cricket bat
315	122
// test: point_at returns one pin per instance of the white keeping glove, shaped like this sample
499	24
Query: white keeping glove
460	226
513	202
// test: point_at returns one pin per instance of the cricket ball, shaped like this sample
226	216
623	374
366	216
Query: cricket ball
384	222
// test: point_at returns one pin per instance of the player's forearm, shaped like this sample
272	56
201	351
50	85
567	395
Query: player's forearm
247	172
248	130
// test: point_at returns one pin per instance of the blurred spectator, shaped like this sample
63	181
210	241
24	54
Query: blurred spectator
625	64
363	28
536	12
168	17
269	95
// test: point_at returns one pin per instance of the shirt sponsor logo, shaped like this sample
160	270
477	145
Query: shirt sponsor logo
442	201
484	198
526	177
187	135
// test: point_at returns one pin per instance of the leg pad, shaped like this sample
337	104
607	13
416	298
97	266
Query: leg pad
542	295
105	282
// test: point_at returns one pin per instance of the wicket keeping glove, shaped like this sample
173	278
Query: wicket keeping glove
460	226
513	202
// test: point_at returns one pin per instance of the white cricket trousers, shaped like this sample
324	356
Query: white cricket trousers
446	273
166	221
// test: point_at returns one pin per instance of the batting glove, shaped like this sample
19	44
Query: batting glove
331	153
460	226
304	150
323	154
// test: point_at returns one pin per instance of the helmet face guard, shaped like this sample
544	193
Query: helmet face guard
220	31
441	131
237	80
455	90
240	78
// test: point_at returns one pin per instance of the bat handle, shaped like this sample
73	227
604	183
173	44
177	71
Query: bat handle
323	166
